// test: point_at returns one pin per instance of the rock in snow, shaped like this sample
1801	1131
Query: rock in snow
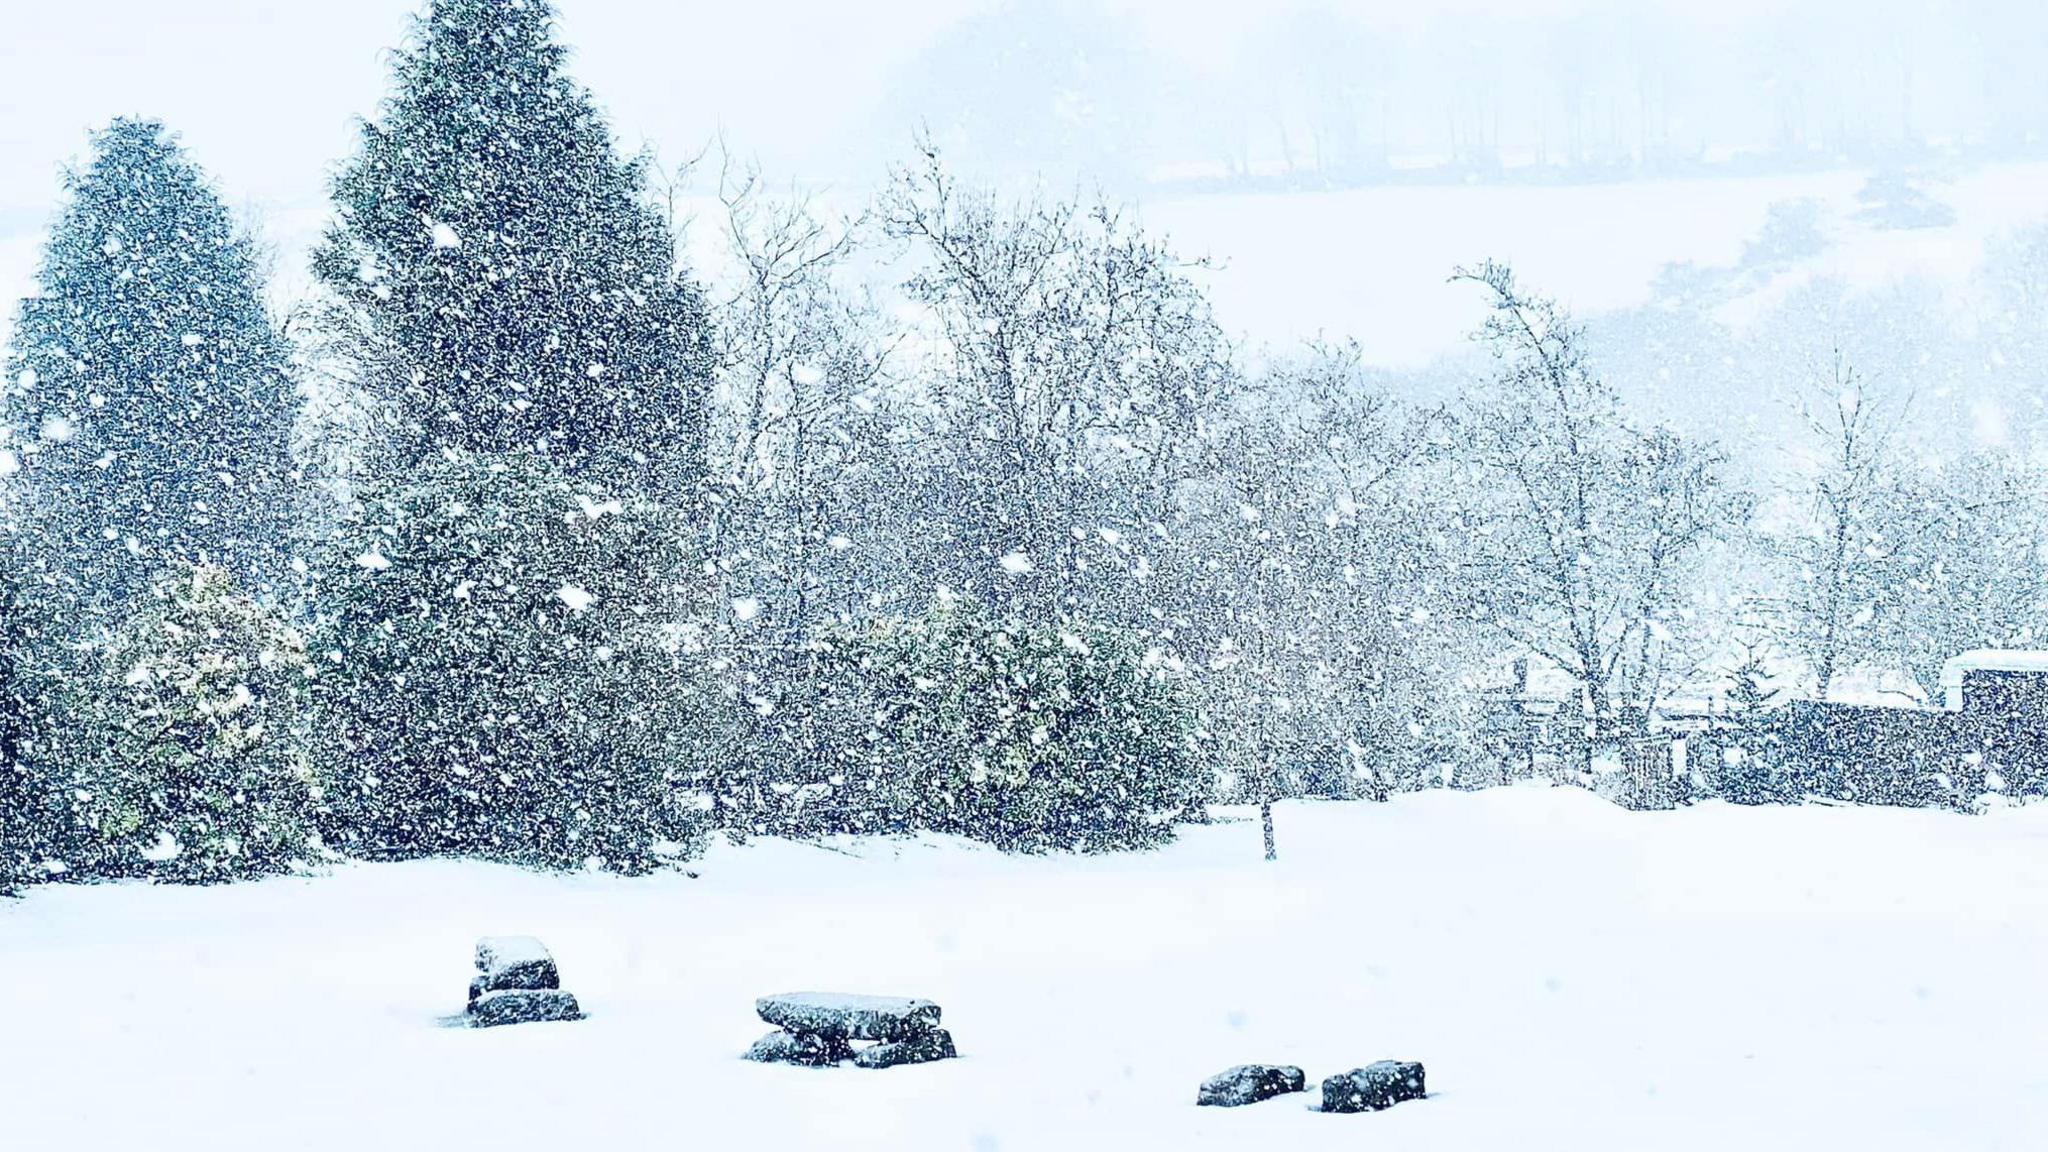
779	1047
934	1045
517	983
849	1017
513	962
1249	1084
523	1006
1373	1087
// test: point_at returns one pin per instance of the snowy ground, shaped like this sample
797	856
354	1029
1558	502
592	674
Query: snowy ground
1575	977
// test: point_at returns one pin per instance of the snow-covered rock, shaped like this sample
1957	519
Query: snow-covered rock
523	1006
849	1017
1373	1087
1249	1084
809	1049
934	1045
506	963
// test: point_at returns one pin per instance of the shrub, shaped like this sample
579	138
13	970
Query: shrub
1029	737
180	739
505	671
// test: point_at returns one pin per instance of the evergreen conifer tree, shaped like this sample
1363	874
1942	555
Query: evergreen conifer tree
506	282
148	391
17	809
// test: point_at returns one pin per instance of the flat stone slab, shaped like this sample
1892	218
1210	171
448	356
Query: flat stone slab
849	1017
523	1006
936	1044
809	1050
512	962
1249	1084
1373	1087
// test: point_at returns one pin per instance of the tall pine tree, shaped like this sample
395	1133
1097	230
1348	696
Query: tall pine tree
508	285
149	393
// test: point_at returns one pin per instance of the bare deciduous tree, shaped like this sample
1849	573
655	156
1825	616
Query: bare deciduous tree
1072	373
1838	589
1585	527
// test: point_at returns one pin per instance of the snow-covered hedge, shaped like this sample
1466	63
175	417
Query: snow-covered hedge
1030	737
505	671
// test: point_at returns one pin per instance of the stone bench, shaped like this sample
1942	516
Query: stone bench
819	1029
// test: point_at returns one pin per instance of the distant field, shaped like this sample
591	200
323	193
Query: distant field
1371	263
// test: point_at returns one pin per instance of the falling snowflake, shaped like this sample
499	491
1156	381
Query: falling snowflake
164	850
593	509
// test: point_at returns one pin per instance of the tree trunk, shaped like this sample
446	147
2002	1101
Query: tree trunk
1266	822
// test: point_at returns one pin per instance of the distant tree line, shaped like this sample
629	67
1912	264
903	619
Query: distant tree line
1317	95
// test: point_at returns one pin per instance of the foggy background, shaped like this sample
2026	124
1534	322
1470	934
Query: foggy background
1333	160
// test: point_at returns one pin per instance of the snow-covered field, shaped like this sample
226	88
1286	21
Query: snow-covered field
1575	977
1372	263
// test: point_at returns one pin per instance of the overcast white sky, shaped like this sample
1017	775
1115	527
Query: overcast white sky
264	91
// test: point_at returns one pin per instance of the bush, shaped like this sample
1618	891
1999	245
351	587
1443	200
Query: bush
180	739
1029	737
506	672
25	824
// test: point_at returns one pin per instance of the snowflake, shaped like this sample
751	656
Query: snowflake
165	849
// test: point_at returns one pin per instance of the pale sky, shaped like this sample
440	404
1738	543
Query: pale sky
265	91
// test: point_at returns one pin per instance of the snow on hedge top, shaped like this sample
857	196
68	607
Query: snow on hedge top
1987	660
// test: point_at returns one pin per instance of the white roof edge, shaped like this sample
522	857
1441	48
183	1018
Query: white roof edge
1994	660
1987	660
